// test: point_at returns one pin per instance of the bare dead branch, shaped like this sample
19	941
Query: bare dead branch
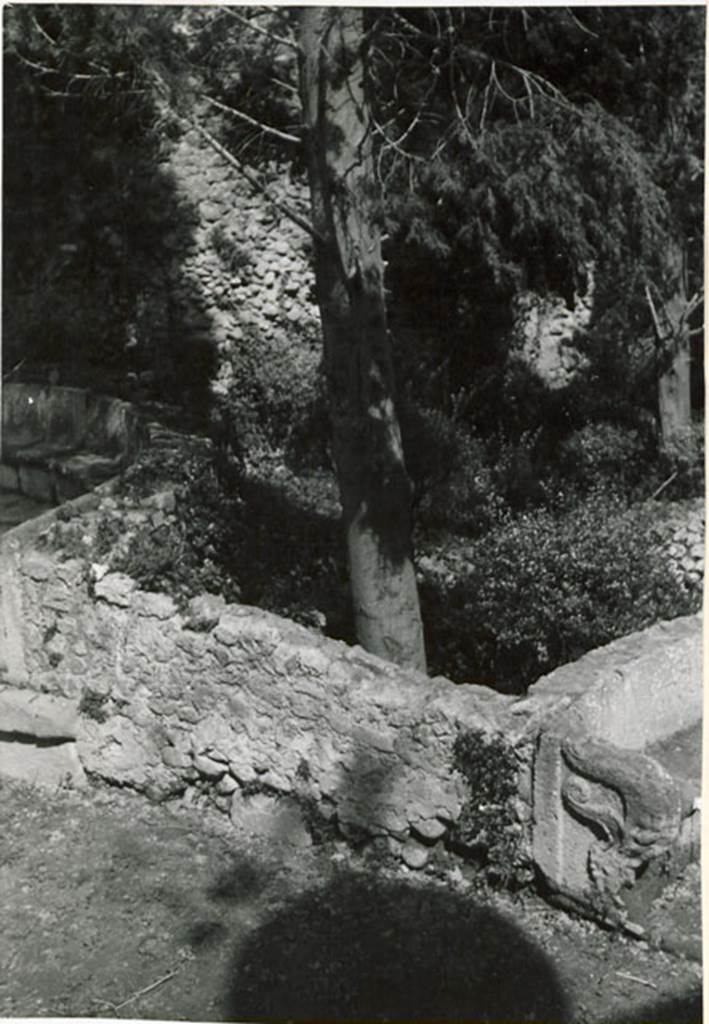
267	128
76	76
148	988
530	96
43	69
653	312
284	85
653	496
42	31
397	144
462	120
59	93
55	44
694	303
192	122
401	20
580	24
216	145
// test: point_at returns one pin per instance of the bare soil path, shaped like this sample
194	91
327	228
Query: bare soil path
112	907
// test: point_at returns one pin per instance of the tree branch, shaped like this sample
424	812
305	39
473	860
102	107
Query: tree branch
41	68
284	136
694	303
655	318
75	76
192	122
580	24
105	71
216	145
284	85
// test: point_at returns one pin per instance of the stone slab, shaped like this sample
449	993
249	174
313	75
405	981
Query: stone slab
37	482
9	477
605	811
40	715
48	766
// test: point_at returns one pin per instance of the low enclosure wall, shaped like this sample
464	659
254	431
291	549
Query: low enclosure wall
289	732
58	442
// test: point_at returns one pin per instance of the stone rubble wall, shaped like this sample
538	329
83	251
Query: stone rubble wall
237	275
273	287
257	716
606	807
684	543
545	329
636	689
236	704
59	442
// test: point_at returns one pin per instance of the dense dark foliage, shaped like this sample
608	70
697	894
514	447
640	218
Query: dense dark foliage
487	827
544	587
514	148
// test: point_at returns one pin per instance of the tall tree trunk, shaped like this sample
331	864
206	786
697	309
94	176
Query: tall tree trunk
673	382
374	486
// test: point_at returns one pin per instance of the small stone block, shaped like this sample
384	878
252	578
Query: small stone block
414	855
207	767
203	612
37	714
115	588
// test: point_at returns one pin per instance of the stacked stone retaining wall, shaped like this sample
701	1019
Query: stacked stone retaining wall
237	292
251	712
234	701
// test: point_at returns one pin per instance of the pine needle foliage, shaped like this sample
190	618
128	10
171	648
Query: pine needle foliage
521	185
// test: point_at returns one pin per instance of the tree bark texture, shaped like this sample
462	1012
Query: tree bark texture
374	486
674	380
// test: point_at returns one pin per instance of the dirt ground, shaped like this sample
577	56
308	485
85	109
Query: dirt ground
112	907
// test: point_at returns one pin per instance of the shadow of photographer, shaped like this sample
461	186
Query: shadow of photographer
363	947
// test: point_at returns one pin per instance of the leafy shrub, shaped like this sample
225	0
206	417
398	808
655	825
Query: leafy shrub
291	560
108	534
195	549
157	466
67	537
543	588
92	705
58	322
604	453
272	542
518	472
682	458
308	446
270	386
487	826
234	257
453	485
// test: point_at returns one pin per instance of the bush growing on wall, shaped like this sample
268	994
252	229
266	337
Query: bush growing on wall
488	828
604	454
544	588
453	484
248	544
182	552
270	387
682	461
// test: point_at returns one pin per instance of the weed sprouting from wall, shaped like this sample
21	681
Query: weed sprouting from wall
234	257
488	829
92	705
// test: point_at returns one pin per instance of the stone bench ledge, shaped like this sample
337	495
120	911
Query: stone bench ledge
38	715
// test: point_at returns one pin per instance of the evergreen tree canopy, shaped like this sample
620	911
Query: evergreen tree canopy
514	147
